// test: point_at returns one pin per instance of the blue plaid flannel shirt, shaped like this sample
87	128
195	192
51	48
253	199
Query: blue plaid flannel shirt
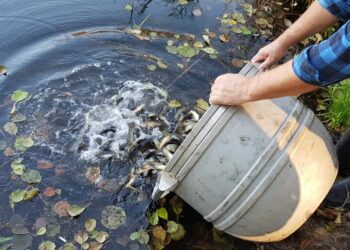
329	61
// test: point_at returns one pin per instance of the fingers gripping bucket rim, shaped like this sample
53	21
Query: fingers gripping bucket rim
282	153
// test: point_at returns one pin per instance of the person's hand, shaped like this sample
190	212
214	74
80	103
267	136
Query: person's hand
270	54
229	89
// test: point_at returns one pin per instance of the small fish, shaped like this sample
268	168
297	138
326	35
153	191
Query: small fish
131	180
167	154
3	70
169	139
171	147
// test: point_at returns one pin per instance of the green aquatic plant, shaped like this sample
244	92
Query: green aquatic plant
335	109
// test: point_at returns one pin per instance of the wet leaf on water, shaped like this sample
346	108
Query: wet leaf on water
128	7
159	233
17	195
81	237
30	194
134	236
90	224
262	22
249	9
43	164
171	49
174	104
197	12
179	234
3	70
49	192
183	2
151	67
172	227
68	246
52	230
186	51
113	217
287	22
17	167
93	174
246	31
93	234
143	237
154	219
19	96
18	118
162	65
209	50
198	44
236	30
95	245
75	210
180	65
85	246
5	239
239	17
9	152
224	38
31	176
61	208
102	237
3	145
238	62
41	231
202	104
23	143
206	39
47	245
22	241
162	213
11	128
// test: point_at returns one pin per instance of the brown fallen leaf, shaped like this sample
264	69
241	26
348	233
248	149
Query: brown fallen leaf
61	208
159	233
43	164
49	192
9	152
92	174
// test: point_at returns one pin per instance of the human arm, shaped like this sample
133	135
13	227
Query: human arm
317	18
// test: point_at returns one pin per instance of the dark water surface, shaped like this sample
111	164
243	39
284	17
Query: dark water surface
76	62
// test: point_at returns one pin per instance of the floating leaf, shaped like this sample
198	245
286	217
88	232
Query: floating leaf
224	38
154	219
75	210
128	7
17	195
180	65
162	213
41	231
174	104
183	2
143	237
61	208
23	143
197	12
68	246
17	167
186	51
113	217
81	237
9	152
11	128
47	245
102	237
246	31
95	245
3	145
43	164
90	224
179	234
209	50
239	17
52	230
172	227
249	9
159	233
162	65
151	67
206	39
49	192
93	234
29	195
202	104
93	174
134	236
19	96
171	49
85	246
198	44
31	176
18	118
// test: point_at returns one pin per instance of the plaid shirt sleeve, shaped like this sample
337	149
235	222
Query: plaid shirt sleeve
339	8
327	62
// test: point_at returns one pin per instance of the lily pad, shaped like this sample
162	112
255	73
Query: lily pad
186	51
31	176
17	195
68	246
47	245
23	143
41	231
75	210
17	167
209	50
18	118
113	217
171	49
90	224
19	96
174	104
102	237
11	128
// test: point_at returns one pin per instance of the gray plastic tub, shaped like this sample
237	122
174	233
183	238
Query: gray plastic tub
256	171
